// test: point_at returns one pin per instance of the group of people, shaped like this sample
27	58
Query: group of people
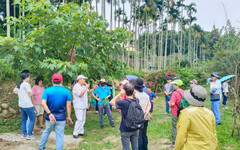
56	101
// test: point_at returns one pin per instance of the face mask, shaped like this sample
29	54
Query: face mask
191	85
102	84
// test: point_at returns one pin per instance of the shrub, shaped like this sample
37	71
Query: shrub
6	71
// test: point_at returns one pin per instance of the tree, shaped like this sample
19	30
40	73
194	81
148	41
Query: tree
227	61
75	42
190	10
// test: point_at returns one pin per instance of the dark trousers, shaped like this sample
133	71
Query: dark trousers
142	138
127	137
224	99
108	112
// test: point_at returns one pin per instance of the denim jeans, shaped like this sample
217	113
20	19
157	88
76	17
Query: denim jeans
27	112
216	110
59	130
142	138
224	99
108	112
167	98
127	137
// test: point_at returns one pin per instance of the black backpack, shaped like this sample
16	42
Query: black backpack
135	117
179	108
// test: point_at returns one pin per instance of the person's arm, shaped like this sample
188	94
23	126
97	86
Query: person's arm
113	101
46	109
94	96
69	108
15	90
172	101
91	90
155	99
148	107
84	90
183	125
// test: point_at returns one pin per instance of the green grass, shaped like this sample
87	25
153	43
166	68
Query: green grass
159	128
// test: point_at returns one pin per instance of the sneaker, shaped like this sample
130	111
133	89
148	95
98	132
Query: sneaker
102	127
171	146
23	136
113	126
75	136
96	112
219	123
82	135
32	138
166	113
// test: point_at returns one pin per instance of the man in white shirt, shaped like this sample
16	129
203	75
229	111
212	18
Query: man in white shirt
80	104
225	93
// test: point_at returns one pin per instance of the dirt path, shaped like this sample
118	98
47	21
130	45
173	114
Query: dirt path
12	141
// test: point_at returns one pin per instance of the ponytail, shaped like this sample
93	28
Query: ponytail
23	76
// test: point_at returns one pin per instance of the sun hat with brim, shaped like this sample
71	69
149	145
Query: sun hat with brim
193	81
215	75
139	83
81	77
103	80
177	82
196	95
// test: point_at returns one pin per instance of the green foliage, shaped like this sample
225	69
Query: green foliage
51	34
157	79
6	71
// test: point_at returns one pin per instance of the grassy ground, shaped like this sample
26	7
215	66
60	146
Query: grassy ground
159	130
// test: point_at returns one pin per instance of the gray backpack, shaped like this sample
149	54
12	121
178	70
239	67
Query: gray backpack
135	117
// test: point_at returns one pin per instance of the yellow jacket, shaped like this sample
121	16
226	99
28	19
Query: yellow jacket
196	129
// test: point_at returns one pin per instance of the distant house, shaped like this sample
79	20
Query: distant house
130	48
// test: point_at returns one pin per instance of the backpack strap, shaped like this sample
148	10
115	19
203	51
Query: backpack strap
181	98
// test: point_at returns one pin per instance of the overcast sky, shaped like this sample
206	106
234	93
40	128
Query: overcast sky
209	12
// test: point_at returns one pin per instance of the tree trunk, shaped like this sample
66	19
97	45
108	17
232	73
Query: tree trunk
119	7
103	9
166	44
130	29
111	3
8	15
14	14
189	46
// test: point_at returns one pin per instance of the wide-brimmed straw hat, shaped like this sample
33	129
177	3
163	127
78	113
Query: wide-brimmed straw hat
103	80
196	95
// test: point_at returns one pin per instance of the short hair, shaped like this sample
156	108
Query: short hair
56	82
38	79
149	87
129	89
25	71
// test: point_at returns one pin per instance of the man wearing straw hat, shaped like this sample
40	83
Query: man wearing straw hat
196	124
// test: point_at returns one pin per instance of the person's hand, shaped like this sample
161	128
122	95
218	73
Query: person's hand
96	86
225	93
69	120
98	99
167	94
52	118
123	92
148	116
87	85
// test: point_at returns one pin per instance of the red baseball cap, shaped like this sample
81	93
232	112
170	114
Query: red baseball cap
57	77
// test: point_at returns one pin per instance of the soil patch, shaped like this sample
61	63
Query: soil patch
12	141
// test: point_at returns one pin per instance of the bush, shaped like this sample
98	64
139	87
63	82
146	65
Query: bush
158	78
6	71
